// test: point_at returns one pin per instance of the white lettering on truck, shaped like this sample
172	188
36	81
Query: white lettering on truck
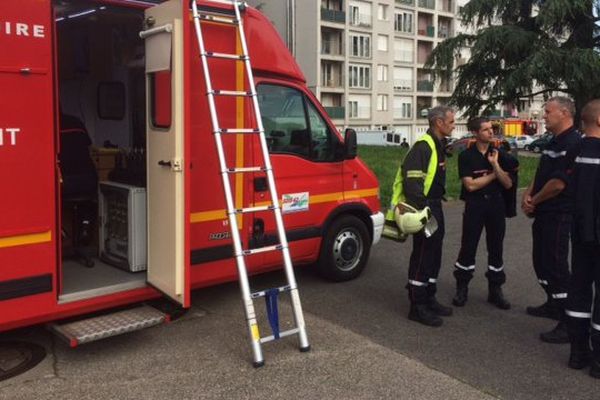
11	136
22	29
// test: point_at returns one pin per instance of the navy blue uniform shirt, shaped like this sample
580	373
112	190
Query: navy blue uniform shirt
557	163
586	189
472	163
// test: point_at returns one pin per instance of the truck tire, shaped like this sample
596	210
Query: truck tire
537	149
345	249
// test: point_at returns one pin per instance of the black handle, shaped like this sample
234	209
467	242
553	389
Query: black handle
164	163
260	184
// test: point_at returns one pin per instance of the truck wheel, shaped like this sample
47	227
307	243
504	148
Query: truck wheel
345	249
536	149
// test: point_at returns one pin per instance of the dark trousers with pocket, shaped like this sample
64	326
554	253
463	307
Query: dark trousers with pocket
485	211
426	259
584	282
551	235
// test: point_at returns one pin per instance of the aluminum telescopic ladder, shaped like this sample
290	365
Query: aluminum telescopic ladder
232	212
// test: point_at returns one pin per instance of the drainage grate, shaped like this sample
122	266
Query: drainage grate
19	357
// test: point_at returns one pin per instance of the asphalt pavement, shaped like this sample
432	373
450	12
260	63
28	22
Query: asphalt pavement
363	346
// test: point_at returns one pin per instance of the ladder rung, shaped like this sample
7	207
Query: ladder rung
245	169
232	93
262	250
281	335
250	130
222	20
254	209
263	293
240	57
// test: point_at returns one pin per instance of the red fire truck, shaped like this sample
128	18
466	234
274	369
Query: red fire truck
112	190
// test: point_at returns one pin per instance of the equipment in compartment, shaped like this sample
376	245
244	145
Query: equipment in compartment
123	237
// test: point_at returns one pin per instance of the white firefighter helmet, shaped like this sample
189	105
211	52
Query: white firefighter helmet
409	219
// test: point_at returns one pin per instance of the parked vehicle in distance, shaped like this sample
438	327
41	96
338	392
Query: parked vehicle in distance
521	141
538	145
458	145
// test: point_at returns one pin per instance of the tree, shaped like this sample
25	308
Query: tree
521	48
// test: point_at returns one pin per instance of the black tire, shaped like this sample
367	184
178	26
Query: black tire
526	147
345	249
536	149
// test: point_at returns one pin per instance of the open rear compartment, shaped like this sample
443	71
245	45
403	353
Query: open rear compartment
102	97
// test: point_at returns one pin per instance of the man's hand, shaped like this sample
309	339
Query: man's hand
527	205
493	157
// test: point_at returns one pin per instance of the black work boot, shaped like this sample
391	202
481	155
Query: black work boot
438	309
595	369
462	294
581	354
558	335
496	297
547	310
422	314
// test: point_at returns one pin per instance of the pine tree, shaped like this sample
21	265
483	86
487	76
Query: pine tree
521	48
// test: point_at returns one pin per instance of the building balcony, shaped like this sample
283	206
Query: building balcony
446	86
446	6
443	32
336	112
333	16
427	4
335	82
362	20
425	86
427	31
362	112
332	48
403	85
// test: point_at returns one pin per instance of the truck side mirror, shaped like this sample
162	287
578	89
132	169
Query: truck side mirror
350	144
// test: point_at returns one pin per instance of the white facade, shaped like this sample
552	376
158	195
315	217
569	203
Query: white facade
364	59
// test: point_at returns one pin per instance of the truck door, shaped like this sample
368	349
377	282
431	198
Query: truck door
27	158
168	269
307	170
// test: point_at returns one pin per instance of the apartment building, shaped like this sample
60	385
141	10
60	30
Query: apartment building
364	59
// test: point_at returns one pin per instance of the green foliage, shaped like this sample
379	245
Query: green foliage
384	162
520	46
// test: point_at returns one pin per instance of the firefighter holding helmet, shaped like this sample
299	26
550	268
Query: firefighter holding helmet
416	207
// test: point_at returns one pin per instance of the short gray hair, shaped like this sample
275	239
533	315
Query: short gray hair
565	103
438	112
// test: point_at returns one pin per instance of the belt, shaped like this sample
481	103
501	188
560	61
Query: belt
487	197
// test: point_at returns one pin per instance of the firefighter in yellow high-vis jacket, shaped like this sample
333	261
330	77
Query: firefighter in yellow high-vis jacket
420	183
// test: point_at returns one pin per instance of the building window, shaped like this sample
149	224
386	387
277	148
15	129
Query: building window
382	12
382	102
360	46
402	107
353	109
404	50
382	73
359	76
360	14
403	22
403	79
382	42
359	106
406	110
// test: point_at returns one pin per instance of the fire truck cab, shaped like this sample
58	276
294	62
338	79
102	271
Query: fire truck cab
112	192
